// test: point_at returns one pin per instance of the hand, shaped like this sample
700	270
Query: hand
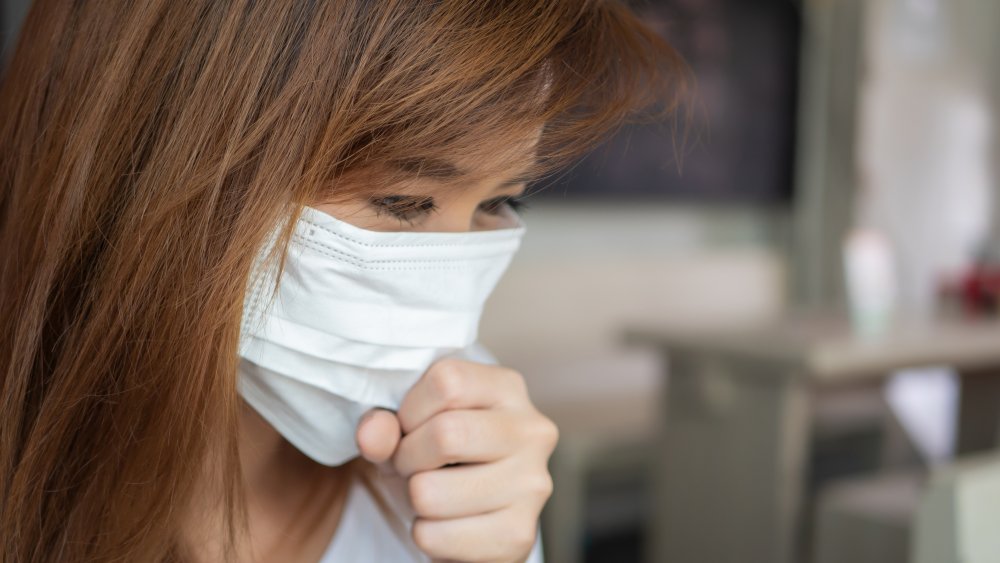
475	453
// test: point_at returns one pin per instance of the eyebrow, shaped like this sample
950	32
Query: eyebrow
438	169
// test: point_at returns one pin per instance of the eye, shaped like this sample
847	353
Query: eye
408	209
495	206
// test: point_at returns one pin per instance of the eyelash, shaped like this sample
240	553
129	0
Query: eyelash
409	209
515	203
406	209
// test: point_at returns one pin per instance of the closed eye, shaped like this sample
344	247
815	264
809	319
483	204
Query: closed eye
412	209
407	209
496	205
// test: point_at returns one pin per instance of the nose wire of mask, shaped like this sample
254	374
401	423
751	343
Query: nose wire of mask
357	318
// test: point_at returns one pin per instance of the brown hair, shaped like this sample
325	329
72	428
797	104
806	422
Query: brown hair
149	148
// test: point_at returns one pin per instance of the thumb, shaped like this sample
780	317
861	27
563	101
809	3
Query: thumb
378	434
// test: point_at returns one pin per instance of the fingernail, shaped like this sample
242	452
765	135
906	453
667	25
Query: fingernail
365	417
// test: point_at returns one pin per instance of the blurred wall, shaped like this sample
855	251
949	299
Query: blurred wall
586	271
832	46
926	140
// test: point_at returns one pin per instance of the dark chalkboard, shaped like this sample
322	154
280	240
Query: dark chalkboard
739	143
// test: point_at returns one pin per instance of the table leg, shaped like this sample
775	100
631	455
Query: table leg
563	522
729	470
979	411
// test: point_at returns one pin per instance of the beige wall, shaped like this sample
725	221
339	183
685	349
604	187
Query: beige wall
585	272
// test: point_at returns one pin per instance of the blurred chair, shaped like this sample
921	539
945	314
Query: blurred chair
734	452
959	514
867	520
947	515
602	440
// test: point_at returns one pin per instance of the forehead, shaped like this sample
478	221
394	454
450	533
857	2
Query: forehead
495	164
441	173
514	158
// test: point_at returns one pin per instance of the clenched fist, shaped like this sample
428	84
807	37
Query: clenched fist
475	453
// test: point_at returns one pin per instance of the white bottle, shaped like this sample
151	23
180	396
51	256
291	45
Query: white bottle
871	281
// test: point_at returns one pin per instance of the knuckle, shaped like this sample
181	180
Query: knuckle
449	435
422	494
424	537
516	381
544	432
542	485
522	537
550	433
446	380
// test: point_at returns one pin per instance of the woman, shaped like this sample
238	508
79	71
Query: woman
166	162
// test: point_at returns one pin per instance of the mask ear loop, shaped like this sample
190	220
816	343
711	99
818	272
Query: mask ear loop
262	289
253	310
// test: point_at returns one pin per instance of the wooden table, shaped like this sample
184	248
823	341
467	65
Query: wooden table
734	431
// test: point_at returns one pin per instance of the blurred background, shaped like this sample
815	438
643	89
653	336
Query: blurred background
770	337
768	334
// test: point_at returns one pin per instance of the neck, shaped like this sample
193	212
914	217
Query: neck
289	497
270	464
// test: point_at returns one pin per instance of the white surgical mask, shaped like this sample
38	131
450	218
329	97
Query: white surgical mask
359	316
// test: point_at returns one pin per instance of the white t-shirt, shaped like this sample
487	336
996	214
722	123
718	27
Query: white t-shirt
364	533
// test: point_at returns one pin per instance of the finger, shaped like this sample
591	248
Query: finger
452	383
458	436
502	535
378	435
468	490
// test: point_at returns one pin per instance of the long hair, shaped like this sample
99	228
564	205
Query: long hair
149	148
